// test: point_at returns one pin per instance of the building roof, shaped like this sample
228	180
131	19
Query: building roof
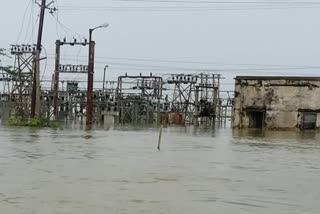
308	78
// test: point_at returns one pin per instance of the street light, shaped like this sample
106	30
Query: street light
104	77
90	76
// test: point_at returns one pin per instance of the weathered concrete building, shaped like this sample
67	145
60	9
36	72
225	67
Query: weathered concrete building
276	102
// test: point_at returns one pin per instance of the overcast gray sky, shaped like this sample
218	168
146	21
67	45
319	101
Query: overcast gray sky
173	37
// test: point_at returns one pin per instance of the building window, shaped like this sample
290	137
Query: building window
309	120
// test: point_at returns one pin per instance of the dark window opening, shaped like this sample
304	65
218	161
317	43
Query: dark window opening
309	120
256	119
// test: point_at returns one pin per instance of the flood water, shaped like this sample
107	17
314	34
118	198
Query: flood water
119	170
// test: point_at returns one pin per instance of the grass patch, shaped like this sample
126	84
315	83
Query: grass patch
36	122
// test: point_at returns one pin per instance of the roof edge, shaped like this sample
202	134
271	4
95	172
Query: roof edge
309	78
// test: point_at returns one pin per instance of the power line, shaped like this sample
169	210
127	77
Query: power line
30	22
182	9
194	62
135	66
23	21
223	2
209	5
33	28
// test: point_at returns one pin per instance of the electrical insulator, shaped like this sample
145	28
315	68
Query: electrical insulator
85	42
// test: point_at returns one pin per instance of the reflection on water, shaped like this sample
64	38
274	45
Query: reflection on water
119	170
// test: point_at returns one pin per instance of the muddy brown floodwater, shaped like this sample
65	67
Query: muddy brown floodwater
120	170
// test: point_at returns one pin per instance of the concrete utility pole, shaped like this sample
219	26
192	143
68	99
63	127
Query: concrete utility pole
56	81
35	99
90	80
89	118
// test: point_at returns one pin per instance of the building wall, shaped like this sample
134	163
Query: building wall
281	100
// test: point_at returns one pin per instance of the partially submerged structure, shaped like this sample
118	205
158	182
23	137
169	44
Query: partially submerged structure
146	99
172	98
276	102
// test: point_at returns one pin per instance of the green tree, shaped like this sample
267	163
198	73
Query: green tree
2	53
2	50
6	68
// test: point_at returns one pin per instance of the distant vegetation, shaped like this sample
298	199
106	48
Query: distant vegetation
36	122
6	68
2	50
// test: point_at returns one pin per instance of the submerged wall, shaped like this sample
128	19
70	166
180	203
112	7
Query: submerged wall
283	101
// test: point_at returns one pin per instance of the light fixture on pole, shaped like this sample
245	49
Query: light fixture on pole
89	118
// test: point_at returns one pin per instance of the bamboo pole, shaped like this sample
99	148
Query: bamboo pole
160	134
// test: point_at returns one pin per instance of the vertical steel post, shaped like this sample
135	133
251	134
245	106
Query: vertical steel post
104	78
215	103
196	106
159	112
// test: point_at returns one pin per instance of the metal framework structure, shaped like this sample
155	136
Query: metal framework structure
17	80
132	99
138	97
195	97
141	98
65	98
225	107
207	96
183	100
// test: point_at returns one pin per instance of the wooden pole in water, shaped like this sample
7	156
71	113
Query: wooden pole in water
160	134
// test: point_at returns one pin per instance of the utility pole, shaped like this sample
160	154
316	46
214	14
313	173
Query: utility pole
89	118
90	81
56	80
35	99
